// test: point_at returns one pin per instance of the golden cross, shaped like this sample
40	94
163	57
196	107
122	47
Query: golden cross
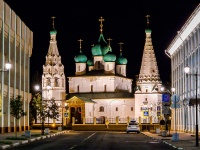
101	24
120	44
148	16
109	40
80	43
53	21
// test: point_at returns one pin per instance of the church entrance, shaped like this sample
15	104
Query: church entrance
76	113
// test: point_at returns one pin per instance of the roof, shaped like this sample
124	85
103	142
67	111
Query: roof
102	95
98	73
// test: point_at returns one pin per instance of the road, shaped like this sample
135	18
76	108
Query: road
86	140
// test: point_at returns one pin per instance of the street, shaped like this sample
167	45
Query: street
86	140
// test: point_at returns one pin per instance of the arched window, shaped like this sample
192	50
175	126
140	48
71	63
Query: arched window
48	82
56	84
91	86
116	109
77	88
131	108
105	88
101	109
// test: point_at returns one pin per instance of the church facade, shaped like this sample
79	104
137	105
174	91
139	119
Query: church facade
99	89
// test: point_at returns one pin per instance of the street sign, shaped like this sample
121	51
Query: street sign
166	98
166	110
175	99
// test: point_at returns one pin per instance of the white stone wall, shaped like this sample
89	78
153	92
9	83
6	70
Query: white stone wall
99	84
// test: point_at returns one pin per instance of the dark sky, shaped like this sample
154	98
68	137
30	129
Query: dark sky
125	22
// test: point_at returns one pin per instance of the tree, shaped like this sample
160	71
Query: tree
51	110
16	109
38	106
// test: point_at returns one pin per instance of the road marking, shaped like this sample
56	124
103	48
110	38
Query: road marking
83	140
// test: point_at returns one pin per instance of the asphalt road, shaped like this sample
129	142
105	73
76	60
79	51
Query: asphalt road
96	140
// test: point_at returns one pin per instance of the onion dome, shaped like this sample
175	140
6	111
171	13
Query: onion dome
90	62
101	48
120	59
53	32
147	30
80	58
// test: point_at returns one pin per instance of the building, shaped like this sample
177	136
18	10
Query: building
53	77
16	43
100	90
184	51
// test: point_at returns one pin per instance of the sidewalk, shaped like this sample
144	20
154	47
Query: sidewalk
12	143
187	141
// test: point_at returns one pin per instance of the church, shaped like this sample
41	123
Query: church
99	89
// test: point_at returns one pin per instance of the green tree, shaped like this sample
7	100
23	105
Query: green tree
16	109
51	110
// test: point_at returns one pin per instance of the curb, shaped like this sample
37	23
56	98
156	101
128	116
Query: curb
31	140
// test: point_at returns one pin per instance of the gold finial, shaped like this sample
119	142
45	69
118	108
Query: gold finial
53	21
147	16
80	43
109	40
101	24
120	44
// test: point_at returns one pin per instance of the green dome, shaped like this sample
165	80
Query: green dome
101	48
90	62
148	31
53	32
121	60
109	57
81	58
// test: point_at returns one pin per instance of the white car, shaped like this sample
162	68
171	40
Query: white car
133	127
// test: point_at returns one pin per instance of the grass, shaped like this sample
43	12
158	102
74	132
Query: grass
6	142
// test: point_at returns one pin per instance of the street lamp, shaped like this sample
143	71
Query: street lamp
37	88
7	66
62	111
187	70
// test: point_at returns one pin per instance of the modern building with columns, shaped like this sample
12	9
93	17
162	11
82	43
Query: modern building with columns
16	43
184	50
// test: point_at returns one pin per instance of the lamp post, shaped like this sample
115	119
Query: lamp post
175	137
187	70
62	111
7	66
37	88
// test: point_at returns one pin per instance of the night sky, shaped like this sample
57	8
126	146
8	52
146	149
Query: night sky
125	22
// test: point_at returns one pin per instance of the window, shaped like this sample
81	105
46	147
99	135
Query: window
131	108
116	109
77	88
105	88
56	84
91	86
101	109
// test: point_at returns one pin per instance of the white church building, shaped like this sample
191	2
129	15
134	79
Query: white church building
99	89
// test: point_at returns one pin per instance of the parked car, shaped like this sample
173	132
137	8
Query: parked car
133	127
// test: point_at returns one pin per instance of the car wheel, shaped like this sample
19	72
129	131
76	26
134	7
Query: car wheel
127	132
138	132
